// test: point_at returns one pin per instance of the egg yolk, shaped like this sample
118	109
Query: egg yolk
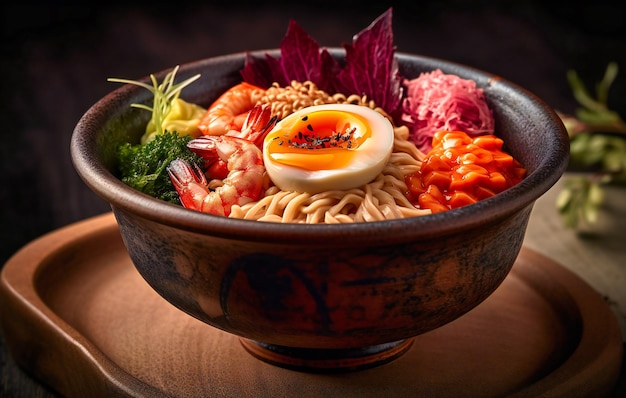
319	140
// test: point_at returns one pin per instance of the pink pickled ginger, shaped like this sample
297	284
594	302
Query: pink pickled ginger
436	101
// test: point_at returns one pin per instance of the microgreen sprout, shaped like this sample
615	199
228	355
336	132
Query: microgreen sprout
164	94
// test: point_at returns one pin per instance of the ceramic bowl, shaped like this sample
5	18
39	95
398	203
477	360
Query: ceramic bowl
323	297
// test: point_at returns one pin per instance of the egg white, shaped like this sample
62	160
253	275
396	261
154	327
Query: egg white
368	160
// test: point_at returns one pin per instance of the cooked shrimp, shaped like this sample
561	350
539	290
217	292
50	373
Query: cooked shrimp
243	184
242	160
257	124
230	110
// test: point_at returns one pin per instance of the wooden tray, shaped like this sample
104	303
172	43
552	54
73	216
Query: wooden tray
77	316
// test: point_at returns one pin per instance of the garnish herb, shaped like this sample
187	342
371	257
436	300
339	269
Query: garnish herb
597	144
144	166
164	95
370	69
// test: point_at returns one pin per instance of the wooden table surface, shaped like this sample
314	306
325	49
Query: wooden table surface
56	61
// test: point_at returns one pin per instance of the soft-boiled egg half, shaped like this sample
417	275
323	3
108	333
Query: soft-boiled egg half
328	147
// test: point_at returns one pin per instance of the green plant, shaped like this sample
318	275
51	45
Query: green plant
597	146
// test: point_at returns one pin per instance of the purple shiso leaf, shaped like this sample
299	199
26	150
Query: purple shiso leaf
330	69
299	60
299	55
256	72
371	68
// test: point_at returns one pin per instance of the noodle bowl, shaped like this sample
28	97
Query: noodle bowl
322	289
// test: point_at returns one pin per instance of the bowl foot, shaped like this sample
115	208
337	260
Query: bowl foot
320	360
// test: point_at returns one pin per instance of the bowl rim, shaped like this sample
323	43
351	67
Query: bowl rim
123	198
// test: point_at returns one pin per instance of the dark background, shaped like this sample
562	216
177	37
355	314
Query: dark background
55	61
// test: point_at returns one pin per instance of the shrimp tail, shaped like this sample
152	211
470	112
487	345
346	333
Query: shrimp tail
205	147
189	182
258	124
